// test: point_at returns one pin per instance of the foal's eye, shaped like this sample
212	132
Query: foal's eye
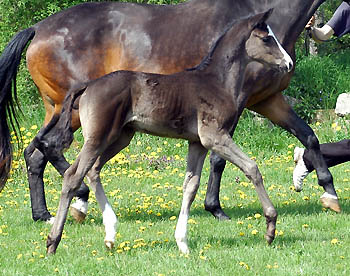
266	38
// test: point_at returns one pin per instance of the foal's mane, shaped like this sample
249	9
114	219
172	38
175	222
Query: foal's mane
208	58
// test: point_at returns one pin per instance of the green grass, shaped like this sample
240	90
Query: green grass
144	186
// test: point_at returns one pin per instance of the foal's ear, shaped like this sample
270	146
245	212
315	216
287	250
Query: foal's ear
260	18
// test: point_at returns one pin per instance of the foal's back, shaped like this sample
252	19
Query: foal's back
162	105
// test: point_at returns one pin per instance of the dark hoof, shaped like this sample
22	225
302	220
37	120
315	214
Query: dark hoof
45	217
269	239
77	215
218	213
331	203
51	246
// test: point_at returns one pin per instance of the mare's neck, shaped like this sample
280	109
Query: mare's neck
289	19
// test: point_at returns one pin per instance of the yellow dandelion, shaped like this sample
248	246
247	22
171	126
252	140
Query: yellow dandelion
257	216
173	218
254	232
334	241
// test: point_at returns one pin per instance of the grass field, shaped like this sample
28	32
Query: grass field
144	185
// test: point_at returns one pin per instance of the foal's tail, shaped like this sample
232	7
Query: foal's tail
9	63
58	133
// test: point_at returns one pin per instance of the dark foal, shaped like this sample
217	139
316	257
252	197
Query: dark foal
92	39
199	105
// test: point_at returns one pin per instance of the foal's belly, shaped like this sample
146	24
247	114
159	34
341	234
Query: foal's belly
174	128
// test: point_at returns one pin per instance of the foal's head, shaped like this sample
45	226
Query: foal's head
263	46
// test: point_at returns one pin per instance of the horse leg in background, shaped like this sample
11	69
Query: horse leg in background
224	146
212	200
217	166
279	112
195	159
36	162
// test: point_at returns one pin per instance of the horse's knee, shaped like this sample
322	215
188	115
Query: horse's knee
252	172
312	142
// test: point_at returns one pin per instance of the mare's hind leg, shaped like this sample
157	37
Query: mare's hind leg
73	178
109	217
279	111
36	162
195	160
223	145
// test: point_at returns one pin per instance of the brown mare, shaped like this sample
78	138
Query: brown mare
93	39
199	105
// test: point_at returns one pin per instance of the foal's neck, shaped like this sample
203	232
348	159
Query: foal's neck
228	62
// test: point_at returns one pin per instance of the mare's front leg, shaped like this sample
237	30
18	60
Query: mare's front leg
221	143
279	112
212	200
195	160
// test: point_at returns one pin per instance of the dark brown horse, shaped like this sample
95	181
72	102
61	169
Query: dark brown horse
199	105
93	39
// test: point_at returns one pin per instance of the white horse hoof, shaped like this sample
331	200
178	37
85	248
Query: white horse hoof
183	247
109	245
51	221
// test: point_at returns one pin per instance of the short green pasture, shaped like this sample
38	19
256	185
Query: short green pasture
144	185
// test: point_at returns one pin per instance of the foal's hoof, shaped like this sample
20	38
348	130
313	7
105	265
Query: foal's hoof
109	245
77	214
331	203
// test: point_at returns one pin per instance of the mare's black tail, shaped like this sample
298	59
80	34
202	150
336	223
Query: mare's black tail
9	63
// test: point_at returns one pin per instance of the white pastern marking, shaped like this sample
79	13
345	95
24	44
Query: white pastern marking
109	221
327	195
287	59
181	233
80	205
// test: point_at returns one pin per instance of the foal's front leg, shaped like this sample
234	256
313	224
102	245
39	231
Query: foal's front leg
222	144
195	160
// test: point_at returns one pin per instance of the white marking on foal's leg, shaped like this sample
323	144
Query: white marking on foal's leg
110	222
181	233
287	59
327	195
80	205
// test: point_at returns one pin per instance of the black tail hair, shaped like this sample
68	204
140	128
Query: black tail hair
9	64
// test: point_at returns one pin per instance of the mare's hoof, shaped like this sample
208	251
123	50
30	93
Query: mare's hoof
50	220
269	239
218	213
330	203
77	214
109	245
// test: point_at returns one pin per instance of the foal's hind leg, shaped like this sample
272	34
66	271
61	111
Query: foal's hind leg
73	178
109	217
195	160
223	145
